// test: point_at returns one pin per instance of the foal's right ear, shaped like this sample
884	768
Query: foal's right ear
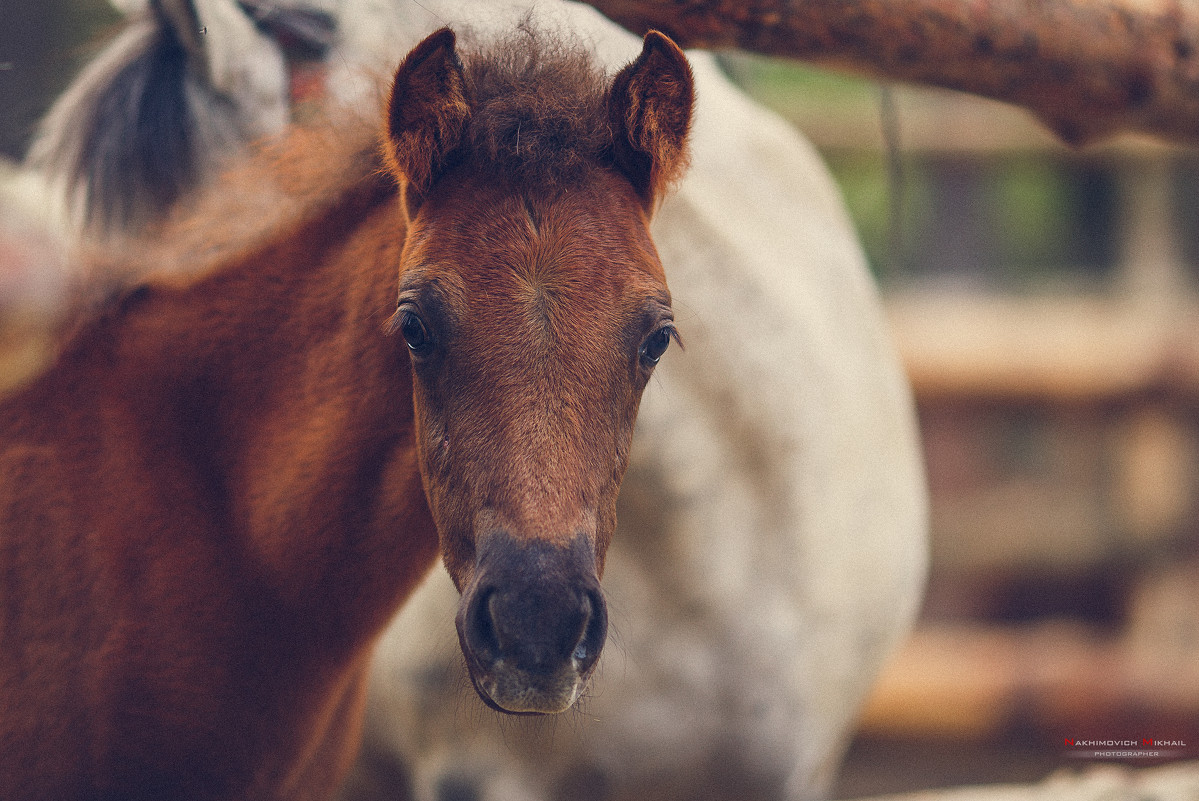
427	112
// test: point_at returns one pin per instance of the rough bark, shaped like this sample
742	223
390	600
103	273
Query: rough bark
1086	68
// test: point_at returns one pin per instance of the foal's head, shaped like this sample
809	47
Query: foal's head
534	309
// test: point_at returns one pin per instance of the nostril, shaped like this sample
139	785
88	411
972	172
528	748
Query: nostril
586	615
481	629
594	632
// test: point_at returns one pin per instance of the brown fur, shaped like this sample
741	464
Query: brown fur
215	499
539	111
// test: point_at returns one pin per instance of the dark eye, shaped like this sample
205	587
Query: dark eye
656	344
414	332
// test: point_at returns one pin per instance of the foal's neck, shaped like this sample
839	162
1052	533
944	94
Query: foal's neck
297	408
224	491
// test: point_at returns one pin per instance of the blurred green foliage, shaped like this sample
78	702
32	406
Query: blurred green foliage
1014	218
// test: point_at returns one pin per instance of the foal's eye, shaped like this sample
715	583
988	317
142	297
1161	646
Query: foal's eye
656	344
414	332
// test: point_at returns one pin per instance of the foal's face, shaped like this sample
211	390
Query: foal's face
533	325
534	316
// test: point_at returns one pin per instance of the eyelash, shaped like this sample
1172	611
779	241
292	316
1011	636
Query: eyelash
411	327
656	344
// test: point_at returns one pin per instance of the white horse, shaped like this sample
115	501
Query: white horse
772	542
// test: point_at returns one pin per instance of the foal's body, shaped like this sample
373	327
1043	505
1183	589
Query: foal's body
176	615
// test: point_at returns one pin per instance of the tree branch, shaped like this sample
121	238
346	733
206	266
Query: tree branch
1087	68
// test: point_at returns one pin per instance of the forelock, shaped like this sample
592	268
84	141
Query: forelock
538	107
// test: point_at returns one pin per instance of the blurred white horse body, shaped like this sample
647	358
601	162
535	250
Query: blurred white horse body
772	542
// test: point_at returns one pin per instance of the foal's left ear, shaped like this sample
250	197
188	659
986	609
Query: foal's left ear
649	106
427	112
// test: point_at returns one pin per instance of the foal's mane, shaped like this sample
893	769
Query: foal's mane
278	185
538	117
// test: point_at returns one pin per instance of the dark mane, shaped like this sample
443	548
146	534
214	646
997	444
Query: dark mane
538	107
277	185
538	115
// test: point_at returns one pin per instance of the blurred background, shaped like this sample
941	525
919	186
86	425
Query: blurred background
1044	303
42	45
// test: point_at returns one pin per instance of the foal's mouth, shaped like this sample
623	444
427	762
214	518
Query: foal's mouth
523	696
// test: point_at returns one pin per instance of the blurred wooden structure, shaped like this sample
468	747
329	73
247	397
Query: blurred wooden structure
1062	440
1061	426
1060	432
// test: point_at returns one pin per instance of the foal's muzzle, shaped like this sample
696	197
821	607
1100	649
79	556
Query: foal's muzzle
532	624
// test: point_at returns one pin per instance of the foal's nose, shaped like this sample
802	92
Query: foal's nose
537	628
532	625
